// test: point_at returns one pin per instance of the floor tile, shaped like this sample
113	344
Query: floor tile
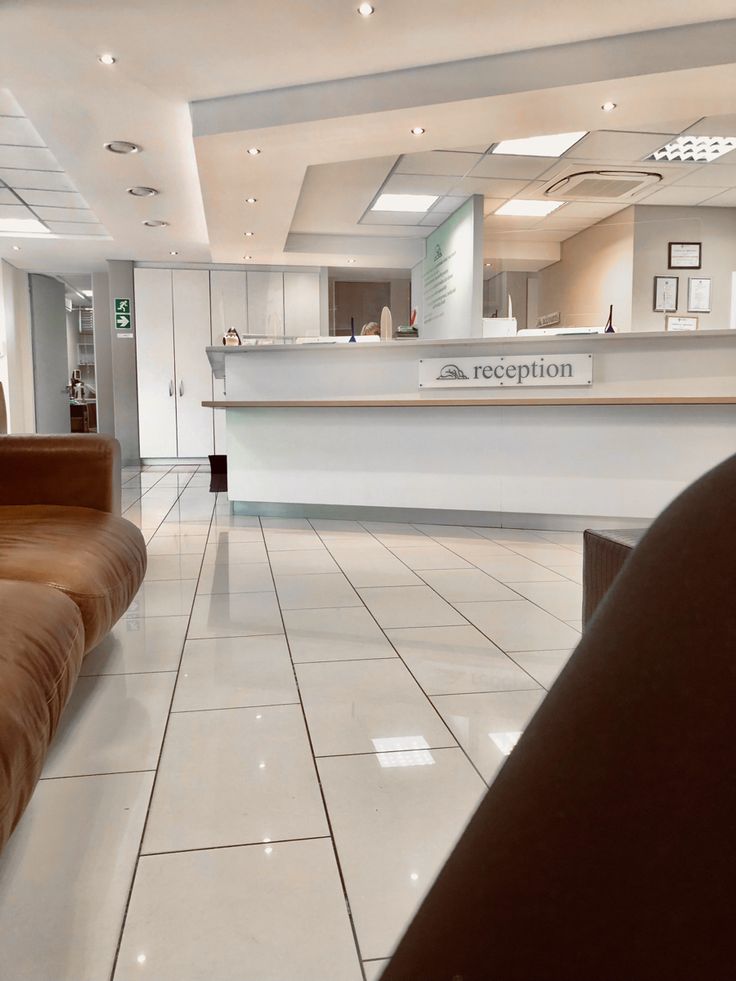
561	599
223	519
454	532
429	557
488	726
367	706
136	646
65	876
519	625
514	568
477	550
576	625
235	777
176	544
172	567
246	535
374	969
510	534
543	666
315	591
544	553
300	562
457	659
409	606
239	615
394	825
198	915
571	572
230	672
373	566
292	537
466	585
112	724
570	539
168	598
172	526
248	577
234	553
336	634
396	533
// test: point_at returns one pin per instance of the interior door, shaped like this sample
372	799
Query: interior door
191	291
48	337
229	308
155	356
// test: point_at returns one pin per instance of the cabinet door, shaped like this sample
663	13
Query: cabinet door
154	334
229	308
266	303
191	291
301	304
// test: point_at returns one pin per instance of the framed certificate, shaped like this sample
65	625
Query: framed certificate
681	323
698	295
666	289
684	255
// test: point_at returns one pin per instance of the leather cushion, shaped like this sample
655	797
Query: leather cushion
604	555
41	650
97	559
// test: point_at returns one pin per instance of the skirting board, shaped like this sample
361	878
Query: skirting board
432	516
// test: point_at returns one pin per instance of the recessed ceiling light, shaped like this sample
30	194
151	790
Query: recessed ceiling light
248	258
254	151
366	9
107	59
122	146
350	261
528	209
418	131
694	149
404	202
251	200
553	145
249	234
489	265
154	223
142	192
16	248
608	106
173	253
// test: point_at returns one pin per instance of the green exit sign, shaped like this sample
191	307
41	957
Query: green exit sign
123	319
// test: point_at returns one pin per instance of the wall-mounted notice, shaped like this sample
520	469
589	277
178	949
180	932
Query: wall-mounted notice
523	371
453	275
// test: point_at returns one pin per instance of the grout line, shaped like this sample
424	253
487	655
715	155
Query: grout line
318	778
104	773
384	752
232	708
235	844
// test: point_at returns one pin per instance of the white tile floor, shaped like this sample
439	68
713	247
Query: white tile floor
267	761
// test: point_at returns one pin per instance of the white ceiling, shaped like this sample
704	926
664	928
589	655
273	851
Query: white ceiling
174	52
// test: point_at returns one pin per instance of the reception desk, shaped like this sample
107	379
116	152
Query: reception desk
347	430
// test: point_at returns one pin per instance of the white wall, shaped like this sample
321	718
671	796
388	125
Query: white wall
596	269
654	228
16	360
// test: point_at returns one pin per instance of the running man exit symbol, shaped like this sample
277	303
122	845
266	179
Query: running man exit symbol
122	314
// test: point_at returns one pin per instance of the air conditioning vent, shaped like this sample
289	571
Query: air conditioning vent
601	185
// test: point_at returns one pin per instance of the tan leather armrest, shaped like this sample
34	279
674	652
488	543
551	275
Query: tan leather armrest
80	470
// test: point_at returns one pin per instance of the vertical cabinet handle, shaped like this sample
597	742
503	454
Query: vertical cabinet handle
181	388
171	388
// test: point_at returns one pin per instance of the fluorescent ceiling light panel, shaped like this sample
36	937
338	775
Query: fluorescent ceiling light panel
22	226
528	209
553	145
694	149
404	202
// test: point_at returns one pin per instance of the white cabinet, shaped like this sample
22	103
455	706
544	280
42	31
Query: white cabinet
266	303
229	308
191	292
174	375
301	303
154	333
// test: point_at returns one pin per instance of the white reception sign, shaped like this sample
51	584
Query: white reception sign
453	275
510	370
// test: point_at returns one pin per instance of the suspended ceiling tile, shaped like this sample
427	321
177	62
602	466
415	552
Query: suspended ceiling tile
478	148
55	199
517	168
442	163
714	126
494	188
617	147
677	195
15	211
417	184
434	218
28	158
510	223
710	176
531	235
591	210
392	217
65	214
532	191
492	204
7	196
450	203
8	104
727	199
36	179
18	131
76	228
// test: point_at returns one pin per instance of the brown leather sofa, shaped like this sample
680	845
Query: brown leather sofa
69	568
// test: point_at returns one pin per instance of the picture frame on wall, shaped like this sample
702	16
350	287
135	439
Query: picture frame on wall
666	291
684	255
681	323
698	295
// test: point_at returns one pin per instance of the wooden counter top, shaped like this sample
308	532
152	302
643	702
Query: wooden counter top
459	403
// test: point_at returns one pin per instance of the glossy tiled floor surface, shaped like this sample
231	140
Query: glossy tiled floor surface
263	767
